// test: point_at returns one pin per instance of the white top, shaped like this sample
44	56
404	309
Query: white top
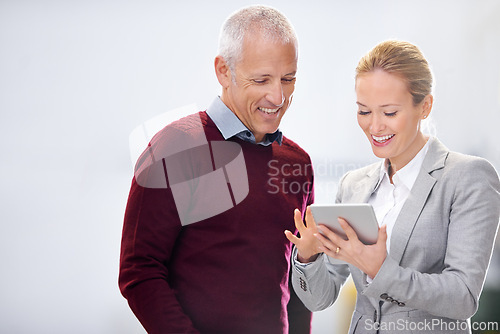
388	198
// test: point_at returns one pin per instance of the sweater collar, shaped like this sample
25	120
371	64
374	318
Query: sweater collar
230	125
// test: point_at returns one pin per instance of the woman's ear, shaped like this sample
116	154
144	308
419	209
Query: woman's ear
222	71
427	106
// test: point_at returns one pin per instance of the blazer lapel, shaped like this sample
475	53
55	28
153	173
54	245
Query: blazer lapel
364	188
435	159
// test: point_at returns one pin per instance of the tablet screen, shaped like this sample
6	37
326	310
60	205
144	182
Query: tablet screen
361	217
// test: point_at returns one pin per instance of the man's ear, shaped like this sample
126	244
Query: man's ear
222	71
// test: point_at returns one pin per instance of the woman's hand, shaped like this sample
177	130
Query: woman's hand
368	258
307	245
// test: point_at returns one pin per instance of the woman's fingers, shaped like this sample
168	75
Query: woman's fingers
307	245
334	243
368	258
328	239
326	233
309	218
349	231
382	234
299	224
292	237
328	247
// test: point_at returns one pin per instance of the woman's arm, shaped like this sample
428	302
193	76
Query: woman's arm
318	283
473	221
474	217
315	281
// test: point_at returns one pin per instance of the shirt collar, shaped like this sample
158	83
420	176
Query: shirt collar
230	125
408	174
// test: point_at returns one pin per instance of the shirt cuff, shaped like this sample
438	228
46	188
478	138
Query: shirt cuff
301	265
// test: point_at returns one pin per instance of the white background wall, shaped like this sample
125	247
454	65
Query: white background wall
76	77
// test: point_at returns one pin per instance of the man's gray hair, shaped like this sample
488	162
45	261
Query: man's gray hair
262	19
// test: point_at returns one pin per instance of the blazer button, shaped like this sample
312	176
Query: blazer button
303	284
389	299
401	304
384	296
395	302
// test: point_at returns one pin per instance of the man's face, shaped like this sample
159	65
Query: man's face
264	81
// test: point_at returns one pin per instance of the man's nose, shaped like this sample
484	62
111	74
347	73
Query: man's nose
275	94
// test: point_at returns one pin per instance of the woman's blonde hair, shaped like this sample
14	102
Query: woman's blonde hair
403	59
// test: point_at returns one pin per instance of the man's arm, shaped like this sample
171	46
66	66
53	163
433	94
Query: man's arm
299	317
151	227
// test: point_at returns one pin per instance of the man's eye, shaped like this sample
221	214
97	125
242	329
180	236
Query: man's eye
259	81
288	80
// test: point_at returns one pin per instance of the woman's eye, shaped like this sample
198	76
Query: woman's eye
363	113
390	114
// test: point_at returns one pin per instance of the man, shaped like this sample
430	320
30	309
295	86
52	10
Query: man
203	248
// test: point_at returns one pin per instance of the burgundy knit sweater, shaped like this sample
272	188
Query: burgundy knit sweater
225	274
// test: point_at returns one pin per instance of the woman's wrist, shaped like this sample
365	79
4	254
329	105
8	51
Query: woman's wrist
303	259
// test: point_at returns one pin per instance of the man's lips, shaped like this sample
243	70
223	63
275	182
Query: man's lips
269	111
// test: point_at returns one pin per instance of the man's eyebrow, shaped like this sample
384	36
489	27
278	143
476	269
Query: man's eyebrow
286	75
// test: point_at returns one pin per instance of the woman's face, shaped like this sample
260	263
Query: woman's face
389	118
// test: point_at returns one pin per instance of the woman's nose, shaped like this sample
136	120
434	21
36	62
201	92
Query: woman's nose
377	123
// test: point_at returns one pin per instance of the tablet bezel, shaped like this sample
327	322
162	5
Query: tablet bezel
360	216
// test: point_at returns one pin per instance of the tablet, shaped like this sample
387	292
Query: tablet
361	217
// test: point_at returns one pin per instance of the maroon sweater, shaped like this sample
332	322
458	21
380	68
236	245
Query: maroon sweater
225	274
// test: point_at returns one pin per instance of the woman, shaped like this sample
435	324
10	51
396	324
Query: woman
438	211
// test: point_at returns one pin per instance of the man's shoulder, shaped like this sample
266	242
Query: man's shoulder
191	127
292	147
180	135
176	142
189	123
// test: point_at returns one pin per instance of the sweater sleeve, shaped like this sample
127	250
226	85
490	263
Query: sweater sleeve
299	317
151	227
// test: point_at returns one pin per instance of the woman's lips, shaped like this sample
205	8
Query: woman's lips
382	140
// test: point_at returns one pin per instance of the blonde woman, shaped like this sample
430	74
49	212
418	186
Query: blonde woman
438	210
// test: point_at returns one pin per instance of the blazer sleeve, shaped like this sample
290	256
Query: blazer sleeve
472	227
318	283
151	227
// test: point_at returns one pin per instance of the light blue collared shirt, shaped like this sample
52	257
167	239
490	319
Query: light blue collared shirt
230	125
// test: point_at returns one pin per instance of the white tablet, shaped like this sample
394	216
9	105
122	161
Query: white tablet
361	217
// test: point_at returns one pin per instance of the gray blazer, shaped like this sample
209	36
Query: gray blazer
441	247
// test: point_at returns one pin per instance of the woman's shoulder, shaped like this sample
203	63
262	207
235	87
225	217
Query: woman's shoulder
361	173
463	163
440	159
469	172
